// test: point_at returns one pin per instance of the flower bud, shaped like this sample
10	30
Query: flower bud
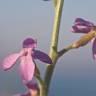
84	39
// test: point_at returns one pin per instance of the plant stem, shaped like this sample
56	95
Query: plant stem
42	85
79	43
54	44
63	51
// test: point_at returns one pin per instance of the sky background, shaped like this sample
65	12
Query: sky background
75	73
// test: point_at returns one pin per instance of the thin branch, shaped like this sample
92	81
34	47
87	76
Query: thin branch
63	51
81	42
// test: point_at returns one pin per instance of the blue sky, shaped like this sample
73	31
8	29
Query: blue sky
75	73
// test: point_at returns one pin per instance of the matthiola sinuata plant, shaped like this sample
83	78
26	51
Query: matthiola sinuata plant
28	54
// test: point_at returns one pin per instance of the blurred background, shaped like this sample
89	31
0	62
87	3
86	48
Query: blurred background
75	73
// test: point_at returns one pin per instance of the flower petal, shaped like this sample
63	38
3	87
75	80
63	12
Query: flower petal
82	26
94	49
80	21
80	29
10	60
29	43
27	68
32	85
41	56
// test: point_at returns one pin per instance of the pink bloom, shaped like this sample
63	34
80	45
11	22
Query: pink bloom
83	26
31	86
26	57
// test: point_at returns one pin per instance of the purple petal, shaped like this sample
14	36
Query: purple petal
80	21
41	56
27	68
33	86
80	29
82	26
29	42
10	60
94	49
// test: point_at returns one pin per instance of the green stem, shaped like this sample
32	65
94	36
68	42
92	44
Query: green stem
42	85
54	44
42	89
63	51
79	43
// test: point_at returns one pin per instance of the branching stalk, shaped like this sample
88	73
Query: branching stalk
54	44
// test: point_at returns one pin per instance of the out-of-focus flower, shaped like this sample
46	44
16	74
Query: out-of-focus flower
83	26
26	56
33	90
46	0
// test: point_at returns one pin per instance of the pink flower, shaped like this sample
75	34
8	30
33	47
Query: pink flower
33	90
83	26
26	56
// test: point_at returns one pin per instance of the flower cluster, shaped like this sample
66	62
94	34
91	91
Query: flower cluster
28	68
86	27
